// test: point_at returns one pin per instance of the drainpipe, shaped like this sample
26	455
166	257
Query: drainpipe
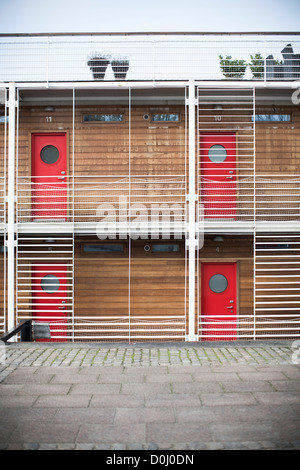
192	242
11	208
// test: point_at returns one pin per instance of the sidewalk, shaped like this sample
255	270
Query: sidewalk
150	396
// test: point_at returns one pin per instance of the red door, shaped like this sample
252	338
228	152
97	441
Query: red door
49	292
218	175
49	176
218	301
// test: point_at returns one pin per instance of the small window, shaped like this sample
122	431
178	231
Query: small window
165	117
103	248
2	119
103	118
217	153
50	283
218	283
272	117
162	248
49	154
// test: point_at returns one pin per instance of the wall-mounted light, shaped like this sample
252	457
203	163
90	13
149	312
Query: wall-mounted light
217	107
218	238
49	109
50	241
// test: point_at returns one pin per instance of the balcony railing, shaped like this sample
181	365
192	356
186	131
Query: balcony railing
203	56
145	203
110	204
275	199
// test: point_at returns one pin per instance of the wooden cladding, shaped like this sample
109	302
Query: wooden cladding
153	147
104	148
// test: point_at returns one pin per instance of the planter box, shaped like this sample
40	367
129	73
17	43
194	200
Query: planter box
98	67
120	68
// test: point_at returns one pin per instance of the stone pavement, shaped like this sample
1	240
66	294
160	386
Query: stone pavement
176	396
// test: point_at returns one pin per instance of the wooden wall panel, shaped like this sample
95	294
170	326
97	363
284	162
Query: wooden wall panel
156	148
103	148
157	283
278	144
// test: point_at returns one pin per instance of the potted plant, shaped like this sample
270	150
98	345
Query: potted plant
120	66
98	64
257	66
232	68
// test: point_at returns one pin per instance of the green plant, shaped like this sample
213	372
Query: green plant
232	68
257	65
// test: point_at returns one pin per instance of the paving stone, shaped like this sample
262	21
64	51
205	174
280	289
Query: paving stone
84	415
116	401
144	415
222	399
277	398
95	389
62	401
44	433
111	434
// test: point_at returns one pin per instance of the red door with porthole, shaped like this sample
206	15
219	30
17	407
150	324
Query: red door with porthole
49	298
49	176
218	175
218	301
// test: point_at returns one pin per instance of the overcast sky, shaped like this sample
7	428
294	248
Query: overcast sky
38	16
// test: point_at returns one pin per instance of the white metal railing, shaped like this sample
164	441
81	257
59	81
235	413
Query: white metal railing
249	327
150	57
154	202
2	200
276	286
111	202
275	198
45	282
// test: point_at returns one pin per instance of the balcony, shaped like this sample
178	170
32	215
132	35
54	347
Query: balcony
141	205
267	202
152	57
109	206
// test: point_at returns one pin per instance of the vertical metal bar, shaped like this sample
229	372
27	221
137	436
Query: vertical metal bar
192	206
265	60
128	215
5	214
185	209
11	207
73	216
254	217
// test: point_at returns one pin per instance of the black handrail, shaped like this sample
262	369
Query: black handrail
25	328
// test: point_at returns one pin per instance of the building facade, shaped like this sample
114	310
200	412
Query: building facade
151	189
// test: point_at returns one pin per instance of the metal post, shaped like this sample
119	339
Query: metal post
11	208
192	211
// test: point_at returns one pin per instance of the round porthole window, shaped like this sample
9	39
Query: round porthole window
49	154
147	248
50	283
217	153
218	283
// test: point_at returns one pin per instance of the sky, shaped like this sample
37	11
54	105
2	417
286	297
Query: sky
58	16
